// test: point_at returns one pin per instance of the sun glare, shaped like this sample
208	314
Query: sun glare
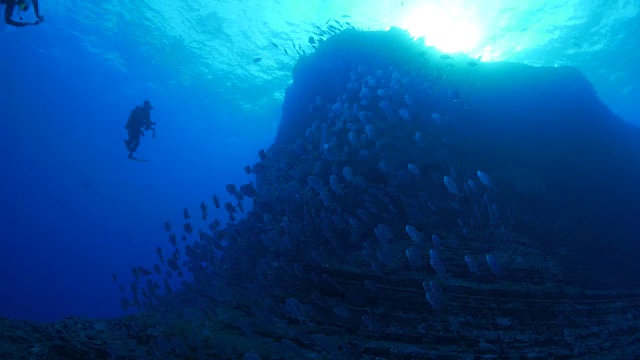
451	29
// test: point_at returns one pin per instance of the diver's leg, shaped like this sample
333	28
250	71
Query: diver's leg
135	142
129	143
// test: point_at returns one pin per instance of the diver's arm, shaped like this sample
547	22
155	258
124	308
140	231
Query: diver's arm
36	9
8	11
147	122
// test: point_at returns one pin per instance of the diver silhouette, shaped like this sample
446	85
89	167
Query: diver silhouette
139	121
22	5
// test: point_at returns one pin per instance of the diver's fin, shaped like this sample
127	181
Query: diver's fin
131	157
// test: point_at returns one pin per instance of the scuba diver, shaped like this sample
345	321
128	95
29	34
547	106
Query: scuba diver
22	5
139	119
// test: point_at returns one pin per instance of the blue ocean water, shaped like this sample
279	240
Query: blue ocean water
77	211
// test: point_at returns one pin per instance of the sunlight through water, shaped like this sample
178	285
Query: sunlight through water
449	28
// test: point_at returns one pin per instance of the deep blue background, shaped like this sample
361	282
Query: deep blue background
74	209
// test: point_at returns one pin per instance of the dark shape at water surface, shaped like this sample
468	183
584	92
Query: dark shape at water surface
350	253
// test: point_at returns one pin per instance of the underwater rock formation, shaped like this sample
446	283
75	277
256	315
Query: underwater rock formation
564	159
528	256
